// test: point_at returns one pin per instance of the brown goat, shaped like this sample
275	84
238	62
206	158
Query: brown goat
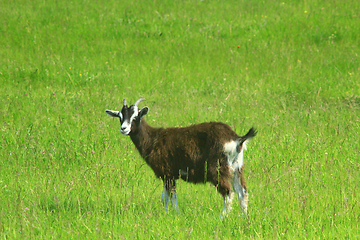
206	152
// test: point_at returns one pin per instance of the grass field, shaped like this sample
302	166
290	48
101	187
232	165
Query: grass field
288	68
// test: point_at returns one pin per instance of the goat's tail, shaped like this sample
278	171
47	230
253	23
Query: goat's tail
242	141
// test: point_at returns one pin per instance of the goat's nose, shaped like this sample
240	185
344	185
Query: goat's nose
123	128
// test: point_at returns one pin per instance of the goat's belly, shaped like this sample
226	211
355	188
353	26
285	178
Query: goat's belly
192	176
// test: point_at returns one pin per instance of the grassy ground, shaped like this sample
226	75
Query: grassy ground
291	69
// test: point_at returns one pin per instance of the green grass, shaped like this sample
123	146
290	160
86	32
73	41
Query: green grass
291	69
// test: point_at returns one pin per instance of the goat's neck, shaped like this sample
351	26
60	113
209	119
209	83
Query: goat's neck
142	139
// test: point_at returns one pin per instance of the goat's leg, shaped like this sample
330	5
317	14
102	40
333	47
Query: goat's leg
165	197
169	191
227	204
224	188
240	189
173	195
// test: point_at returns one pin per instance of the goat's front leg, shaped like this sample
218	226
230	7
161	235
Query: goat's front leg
169	190
173	195
165	197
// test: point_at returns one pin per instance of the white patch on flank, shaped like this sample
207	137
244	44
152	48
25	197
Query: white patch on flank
244	145
235	159
230	150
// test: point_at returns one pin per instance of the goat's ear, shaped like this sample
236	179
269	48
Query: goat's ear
112	113
143	112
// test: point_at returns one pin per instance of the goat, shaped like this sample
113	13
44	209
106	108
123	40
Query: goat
206	152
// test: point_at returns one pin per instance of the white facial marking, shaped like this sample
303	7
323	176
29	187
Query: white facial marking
126	125
136	113
125	128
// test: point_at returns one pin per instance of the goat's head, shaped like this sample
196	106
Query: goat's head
129	116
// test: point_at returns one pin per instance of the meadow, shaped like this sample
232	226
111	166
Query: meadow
288	68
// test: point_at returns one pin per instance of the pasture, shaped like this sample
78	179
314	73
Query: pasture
288	68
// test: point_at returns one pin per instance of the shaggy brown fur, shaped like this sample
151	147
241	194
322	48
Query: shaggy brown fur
197	151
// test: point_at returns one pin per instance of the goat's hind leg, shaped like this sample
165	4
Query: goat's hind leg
173	195
227	204
240	189
224	188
